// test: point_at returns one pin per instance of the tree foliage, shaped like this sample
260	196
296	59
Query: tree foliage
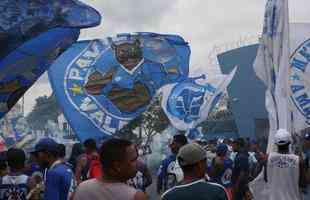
154	120
150	123
46	108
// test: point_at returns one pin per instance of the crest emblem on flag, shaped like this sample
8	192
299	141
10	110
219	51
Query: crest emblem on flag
186	100
299	84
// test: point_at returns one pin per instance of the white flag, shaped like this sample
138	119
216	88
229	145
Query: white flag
272	67
187	103
299	84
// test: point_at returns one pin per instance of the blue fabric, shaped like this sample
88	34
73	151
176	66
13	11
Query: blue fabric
101	85
58	183
23	20
194	134
224	177
162	175
33	33
22	67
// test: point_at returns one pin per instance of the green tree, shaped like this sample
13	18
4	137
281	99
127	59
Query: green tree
46	108
153	121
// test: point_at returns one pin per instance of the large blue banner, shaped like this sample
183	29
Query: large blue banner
32	35
103	84
23	20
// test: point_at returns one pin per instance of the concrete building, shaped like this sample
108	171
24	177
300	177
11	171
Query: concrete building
65	127
246	92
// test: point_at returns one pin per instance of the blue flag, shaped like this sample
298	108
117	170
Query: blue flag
32	35
23	20
103	84
21	68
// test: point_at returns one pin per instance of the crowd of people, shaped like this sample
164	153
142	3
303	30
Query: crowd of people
115	171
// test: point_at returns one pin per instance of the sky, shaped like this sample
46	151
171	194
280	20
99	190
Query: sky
210	27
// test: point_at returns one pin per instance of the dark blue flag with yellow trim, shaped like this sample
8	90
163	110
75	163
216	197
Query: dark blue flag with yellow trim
33	33
101	85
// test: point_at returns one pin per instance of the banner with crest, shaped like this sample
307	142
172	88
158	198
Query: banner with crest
188	103
101	85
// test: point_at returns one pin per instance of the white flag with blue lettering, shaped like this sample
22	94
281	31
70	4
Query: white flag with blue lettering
299	84
272	67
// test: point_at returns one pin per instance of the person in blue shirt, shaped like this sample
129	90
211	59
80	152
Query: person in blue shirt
166	177
59	179
221	168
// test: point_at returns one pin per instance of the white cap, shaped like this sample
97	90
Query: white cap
282	137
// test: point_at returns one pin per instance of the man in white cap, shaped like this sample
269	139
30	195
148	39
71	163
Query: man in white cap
285	171
192	159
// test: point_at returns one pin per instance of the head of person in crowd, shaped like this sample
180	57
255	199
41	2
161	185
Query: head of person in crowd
283	139
177	142
226	141
3	168
90	146
239	144
254	146
77	150
3	164
16	159
46	152
231	141
306	140
221	150
192	160
61	151
118	159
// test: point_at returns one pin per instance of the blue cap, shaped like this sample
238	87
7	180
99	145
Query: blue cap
307	136
46	144
221	148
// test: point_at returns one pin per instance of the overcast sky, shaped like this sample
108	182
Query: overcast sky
209	26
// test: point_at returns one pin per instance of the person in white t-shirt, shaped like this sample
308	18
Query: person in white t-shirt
285	171
16	184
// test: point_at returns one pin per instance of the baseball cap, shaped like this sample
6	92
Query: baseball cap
191	154
45	144
282	137
221	148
